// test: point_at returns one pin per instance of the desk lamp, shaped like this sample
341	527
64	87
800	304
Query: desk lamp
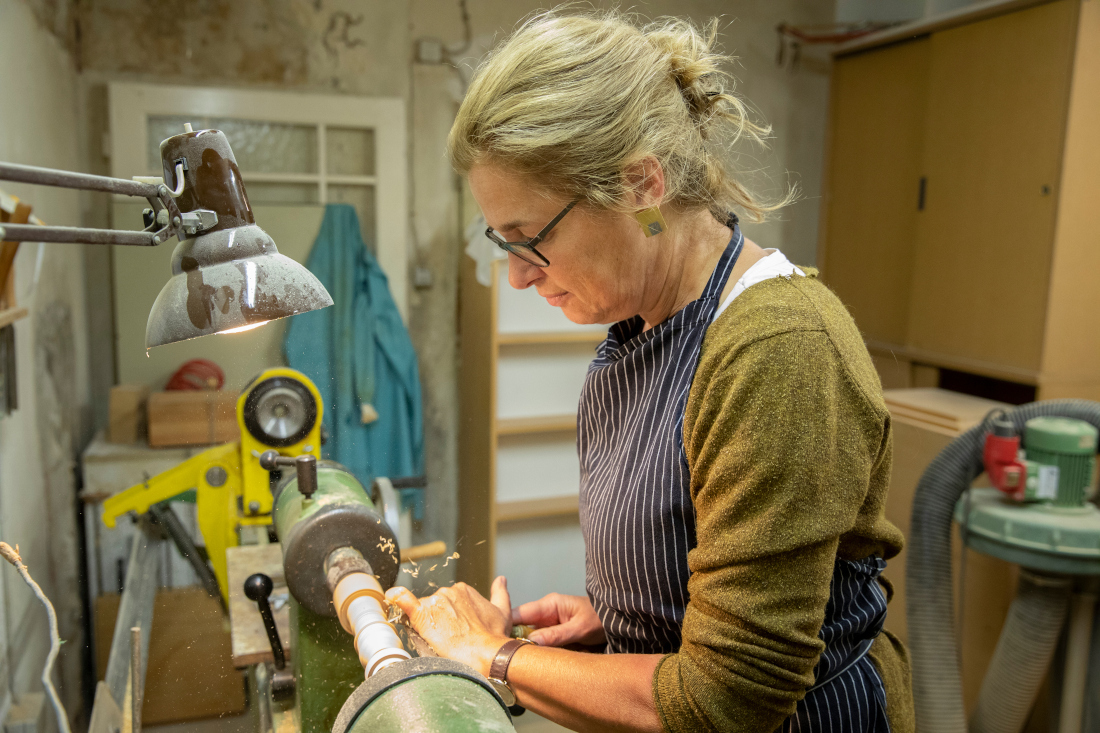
227	274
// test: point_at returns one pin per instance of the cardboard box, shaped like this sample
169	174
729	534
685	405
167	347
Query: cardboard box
190	674
126	414
192	417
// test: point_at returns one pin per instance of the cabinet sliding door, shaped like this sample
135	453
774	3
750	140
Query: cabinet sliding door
873	184
998	93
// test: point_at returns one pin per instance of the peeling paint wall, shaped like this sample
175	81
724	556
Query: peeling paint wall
366	47
38	125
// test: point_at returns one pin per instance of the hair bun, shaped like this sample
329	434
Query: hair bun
693	64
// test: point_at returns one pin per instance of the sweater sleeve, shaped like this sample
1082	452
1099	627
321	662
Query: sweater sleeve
781	443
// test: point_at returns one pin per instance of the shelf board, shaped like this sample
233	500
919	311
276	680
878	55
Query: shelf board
540	424
551	337
554	506
9	316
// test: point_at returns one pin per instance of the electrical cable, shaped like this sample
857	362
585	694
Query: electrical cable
12	555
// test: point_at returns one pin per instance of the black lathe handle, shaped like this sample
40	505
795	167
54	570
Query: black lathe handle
257	588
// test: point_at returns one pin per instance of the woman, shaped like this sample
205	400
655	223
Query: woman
734	444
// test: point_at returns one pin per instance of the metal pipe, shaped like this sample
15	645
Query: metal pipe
1078	646
76	235
84	181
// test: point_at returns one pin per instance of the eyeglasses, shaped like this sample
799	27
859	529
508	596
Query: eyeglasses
526	250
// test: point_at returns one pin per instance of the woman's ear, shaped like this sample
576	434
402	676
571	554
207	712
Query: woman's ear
645	183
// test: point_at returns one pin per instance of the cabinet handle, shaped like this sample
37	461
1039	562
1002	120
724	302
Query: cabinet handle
923	190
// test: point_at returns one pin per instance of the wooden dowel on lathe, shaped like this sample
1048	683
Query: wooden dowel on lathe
419	552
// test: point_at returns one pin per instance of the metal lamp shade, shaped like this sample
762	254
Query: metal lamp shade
230	279
231	276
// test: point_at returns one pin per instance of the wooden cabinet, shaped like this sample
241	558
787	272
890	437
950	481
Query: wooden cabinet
522	368
957	223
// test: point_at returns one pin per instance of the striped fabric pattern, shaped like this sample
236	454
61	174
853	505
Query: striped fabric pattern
639	523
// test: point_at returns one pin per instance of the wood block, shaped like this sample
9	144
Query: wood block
126	414
250	644
190	674
199	417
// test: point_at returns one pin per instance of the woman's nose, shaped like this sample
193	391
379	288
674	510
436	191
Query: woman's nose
521	274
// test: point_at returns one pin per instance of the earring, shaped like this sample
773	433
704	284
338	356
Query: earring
651	221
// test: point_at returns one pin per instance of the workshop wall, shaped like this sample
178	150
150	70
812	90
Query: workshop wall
38	441
368	48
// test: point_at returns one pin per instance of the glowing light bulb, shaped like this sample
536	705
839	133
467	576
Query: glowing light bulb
241	329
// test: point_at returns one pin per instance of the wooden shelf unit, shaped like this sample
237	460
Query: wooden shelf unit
494	357
959	235
534	425
553	506
550	337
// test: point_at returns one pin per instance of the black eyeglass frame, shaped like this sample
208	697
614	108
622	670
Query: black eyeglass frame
525	250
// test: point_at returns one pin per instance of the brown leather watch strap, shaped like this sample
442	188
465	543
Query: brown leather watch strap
499	668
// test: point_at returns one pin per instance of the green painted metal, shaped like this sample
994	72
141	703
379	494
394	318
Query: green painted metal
1038	536
334	486
434	703
326	667
1067	445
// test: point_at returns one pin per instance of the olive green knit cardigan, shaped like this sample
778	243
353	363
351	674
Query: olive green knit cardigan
789	444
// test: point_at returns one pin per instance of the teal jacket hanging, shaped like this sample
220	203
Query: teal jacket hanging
359	355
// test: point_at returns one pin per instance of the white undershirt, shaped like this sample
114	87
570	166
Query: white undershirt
775	264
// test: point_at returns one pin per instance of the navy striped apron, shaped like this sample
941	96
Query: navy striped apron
639	523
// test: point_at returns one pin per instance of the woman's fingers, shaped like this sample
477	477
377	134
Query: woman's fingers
404	599
498	596
543	612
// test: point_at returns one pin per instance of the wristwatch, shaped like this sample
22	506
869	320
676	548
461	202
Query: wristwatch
498	670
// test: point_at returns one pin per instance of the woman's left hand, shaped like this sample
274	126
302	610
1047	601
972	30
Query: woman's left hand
459	622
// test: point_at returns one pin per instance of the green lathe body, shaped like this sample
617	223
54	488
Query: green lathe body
326	667
434	703
426	694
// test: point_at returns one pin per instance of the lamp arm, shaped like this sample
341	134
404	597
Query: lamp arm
74	235
166	220
84	181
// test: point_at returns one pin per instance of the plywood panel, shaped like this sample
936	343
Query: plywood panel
1071	350
873	184
993	147
990	584
544	379
523	311
537	466
541	556
477	430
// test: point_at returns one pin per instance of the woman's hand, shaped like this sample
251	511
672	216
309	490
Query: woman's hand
459	622
561	620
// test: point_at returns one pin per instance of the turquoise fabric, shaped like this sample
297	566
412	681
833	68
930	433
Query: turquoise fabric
358	351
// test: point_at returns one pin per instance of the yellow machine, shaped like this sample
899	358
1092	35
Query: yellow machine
279	410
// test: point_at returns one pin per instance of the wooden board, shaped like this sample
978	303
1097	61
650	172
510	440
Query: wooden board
990	583
477	431
126	413
939	410
249	638
190	675
998	92
186	417
872	185
1071	346
554	506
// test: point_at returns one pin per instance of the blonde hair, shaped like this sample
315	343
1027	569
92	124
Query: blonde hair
573	100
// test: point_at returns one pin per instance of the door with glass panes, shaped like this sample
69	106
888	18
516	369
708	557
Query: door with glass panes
296	152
